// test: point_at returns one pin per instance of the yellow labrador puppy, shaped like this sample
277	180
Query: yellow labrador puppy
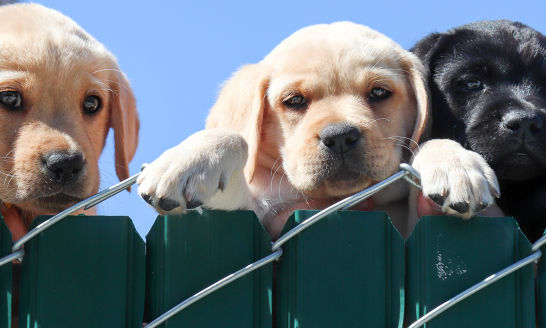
60	93
330	111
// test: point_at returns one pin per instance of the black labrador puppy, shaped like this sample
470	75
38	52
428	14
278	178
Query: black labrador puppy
488	86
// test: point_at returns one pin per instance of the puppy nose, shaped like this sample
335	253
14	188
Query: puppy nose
64	167
340	137
522	122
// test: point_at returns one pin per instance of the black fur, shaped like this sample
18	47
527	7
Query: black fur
488	85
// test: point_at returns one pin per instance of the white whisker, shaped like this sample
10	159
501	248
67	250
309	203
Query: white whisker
107	69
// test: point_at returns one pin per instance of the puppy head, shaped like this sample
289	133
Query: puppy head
60	91
489	93
339	104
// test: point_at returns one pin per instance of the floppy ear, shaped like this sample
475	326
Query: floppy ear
124	120
426	48
240	107
417	77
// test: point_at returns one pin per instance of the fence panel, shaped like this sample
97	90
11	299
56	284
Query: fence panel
347	270
187	253
446	255
84	271
5	277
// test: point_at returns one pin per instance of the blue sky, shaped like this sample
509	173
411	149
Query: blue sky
177	53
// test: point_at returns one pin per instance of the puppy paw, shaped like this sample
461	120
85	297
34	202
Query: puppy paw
190	174
460	181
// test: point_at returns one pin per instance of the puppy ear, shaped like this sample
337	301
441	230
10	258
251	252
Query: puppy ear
240	107
124	120
417	77
426	49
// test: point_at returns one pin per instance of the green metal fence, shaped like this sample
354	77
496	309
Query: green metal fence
350	269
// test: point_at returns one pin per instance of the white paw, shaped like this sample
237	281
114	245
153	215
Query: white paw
458	180
190	174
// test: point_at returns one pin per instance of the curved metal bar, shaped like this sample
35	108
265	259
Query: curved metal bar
85	204
539	243
408	168
345	203
486	282
409	180
219	284
411	173
13	256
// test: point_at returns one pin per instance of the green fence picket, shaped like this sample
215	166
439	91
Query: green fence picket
84	271
347	270
187	253
447	255
5	276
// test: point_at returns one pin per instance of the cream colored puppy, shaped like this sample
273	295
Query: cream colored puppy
330	111
60	92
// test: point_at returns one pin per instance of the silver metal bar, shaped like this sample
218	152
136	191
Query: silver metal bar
116	189
404	167
411	182
358	200
408	168
12	256
479	286
86	204
347	202
219	284
538	244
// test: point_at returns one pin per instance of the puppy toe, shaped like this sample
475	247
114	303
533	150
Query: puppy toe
167	204
193	204
202	187
433	180
438	199
147	198
492	181
481	190
146	190
460	207
481	207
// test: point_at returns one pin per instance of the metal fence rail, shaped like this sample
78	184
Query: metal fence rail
406	172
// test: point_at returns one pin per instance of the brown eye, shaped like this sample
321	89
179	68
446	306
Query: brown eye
11	99
91	104
296	102
379	94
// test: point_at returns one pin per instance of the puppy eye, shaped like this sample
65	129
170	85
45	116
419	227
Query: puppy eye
11	99
471	84
91	104
296	101
379	94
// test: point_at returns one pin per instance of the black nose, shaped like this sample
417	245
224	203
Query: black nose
64	167
340	137
522	122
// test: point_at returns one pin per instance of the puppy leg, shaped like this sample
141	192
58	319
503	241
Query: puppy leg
458	180
205	169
